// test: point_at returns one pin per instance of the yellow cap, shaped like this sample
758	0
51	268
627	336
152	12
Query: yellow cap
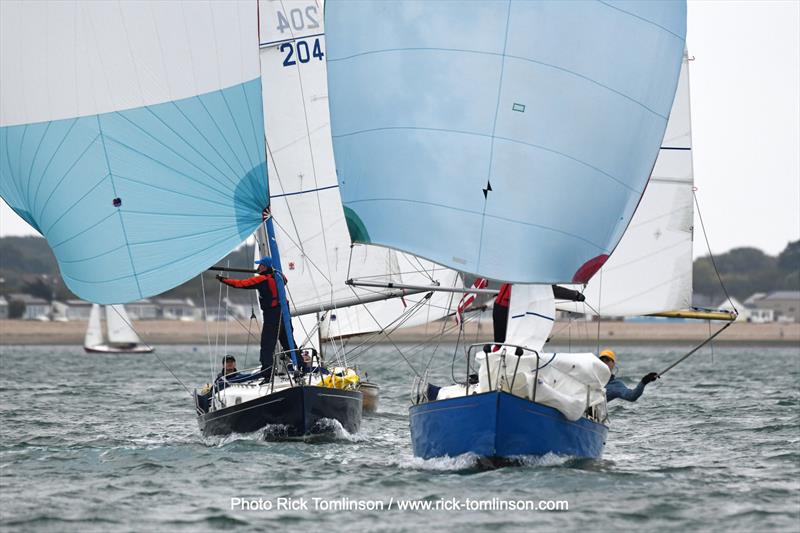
610	354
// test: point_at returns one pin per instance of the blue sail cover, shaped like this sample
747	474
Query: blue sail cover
510	139
132	140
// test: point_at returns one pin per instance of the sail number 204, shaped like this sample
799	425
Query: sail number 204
301	51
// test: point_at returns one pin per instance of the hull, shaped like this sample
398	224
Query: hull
104	348
371	396
498	425
299	410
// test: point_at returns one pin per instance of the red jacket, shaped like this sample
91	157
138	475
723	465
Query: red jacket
503	298
263	283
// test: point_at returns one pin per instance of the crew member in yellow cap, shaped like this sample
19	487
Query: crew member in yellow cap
615	388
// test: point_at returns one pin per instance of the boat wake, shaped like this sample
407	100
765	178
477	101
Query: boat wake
331	430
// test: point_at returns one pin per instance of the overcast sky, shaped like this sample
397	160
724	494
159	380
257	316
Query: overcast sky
745	90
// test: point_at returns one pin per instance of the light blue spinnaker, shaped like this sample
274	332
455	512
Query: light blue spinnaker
510	139
136	144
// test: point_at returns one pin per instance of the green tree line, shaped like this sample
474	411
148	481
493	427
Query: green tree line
27	265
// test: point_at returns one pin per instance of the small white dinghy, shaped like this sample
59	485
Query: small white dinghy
121	337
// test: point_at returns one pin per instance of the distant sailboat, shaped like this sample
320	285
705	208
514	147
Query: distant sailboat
121	337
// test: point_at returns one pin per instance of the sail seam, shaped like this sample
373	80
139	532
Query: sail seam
168	167
152	186
119	211
47	167
491	143
64	176
516	141
76	202
33	162
657	25
476	213
172	149
53	247
92	257
505	56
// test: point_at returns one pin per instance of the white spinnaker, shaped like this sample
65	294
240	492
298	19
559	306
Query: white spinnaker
94	332
148	55
119	326
309	220
530	315
651	268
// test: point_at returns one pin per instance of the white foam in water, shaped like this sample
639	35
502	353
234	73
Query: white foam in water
331	427
465	461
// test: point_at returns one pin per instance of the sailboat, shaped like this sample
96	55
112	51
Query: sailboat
121	336
146	163
307	224
510	155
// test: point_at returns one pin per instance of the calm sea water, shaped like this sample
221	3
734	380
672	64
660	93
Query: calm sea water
110	443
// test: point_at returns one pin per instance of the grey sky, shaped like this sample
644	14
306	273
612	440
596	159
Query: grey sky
745	90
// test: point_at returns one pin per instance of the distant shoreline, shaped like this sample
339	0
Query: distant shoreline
155	332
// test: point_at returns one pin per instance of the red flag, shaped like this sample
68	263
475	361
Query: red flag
468	298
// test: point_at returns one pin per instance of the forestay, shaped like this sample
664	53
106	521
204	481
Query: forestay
651	269
132	137
120	330
507	139
309	221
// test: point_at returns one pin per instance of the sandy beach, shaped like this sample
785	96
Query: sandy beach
15	332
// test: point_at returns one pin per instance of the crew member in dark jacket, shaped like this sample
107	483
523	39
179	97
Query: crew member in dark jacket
615	388
272	330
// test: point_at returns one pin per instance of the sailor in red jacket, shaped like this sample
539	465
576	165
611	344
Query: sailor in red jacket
500	312
272	329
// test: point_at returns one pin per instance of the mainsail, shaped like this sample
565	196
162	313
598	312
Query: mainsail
508	139
94	331
651	269
310	224
132	136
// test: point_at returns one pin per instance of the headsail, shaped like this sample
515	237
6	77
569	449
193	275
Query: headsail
310	224
651	269
531	315
119	326
521	137
132	137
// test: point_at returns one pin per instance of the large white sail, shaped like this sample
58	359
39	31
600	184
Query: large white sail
94	332
310	225
651	269
119	326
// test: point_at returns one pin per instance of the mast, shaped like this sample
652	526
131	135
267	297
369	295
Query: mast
286	318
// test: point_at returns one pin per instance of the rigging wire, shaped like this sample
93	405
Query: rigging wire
711	255
208	330
130	325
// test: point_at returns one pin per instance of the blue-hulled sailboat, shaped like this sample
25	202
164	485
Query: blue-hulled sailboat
513	141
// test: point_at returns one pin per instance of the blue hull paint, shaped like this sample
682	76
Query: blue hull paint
499	425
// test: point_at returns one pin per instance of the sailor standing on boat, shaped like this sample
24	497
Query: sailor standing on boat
272	330
615	388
